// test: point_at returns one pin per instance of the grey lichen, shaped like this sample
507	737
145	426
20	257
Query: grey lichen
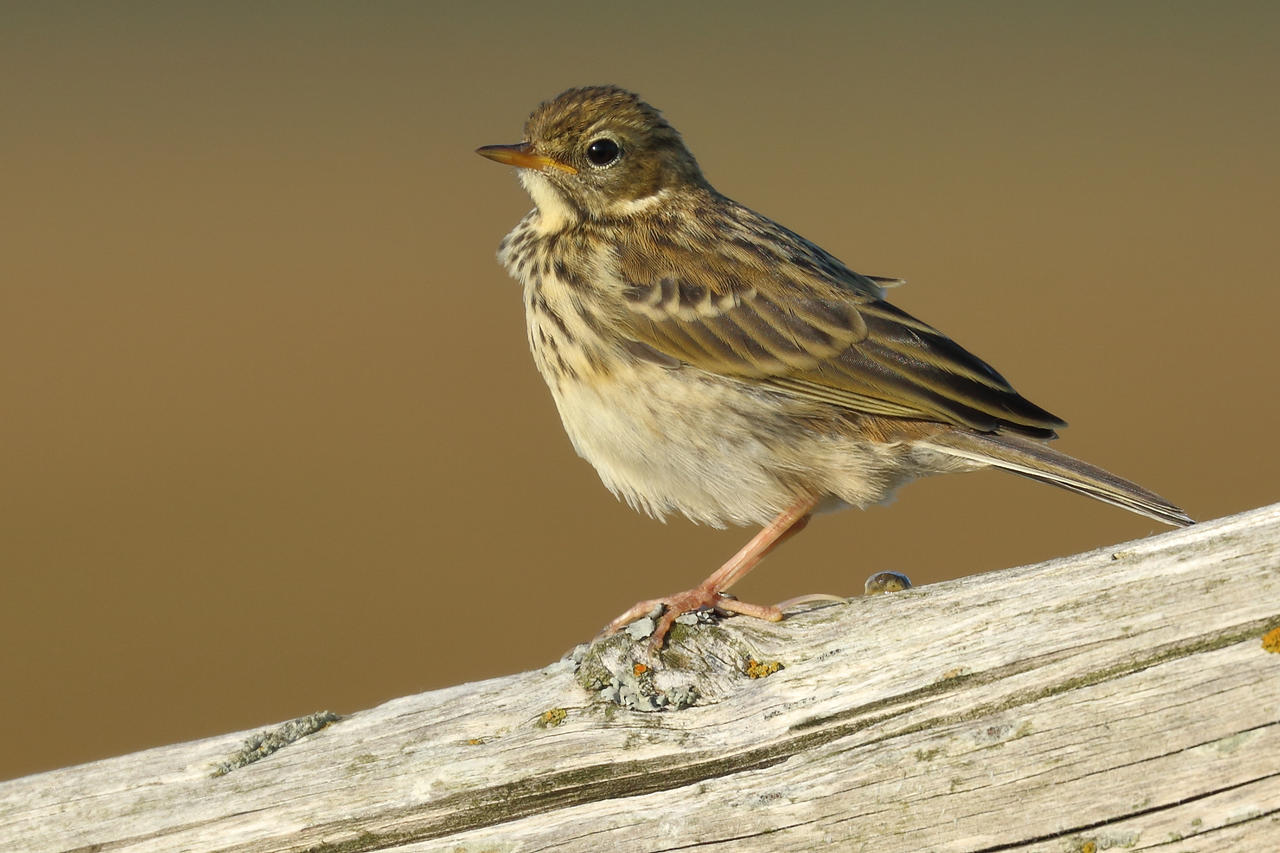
702	662
882	582
261	744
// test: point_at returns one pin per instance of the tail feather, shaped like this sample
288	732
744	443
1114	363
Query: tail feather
1034	459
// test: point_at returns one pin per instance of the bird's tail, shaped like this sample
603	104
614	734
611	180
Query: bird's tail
1035	459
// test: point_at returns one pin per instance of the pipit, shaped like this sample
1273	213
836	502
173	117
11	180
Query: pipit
708	361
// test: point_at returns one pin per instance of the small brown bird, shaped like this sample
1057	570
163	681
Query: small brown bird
710	362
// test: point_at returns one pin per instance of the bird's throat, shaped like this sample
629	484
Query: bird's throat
555	213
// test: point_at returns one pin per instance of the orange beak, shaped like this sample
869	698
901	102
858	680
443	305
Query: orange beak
523	156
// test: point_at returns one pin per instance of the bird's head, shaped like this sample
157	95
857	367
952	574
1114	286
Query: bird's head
598	153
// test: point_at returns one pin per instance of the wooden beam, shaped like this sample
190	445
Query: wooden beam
1128	697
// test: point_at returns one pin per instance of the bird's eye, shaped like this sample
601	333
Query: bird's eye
603	152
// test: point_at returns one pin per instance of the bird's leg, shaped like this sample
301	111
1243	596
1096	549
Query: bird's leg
710	593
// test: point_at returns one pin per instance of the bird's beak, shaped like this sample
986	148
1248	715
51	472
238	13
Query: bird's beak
523	156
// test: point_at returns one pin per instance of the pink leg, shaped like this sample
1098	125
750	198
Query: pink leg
709	593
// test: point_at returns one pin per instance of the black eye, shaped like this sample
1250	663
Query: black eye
603	152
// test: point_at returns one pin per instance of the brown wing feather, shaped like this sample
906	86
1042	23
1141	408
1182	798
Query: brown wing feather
774	307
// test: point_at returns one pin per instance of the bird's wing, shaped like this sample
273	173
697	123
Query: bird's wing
808	326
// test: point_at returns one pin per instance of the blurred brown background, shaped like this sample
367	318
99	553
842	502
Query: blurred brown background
271	440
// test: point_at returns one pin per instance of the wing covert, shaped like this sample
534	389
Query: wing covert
816	330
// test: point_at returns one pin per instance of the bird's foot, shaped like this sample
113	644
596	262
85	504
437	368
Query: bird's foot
813	598
675	605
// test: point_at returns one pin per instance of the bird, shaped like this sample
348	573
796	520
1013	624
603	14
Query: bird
711	363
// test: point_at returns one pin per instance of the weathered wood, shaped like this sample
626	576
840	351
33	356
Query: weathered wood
1124	697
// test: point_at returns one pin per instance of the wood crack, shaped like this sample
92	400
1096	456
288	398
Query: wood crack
1137	813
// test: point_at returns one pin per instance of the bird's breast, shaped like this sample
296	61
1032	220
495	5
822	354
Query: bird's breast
567	312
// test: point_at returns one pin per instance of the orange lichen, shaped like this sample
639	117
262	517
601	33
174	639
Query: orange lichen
759	669
1271	641
552	718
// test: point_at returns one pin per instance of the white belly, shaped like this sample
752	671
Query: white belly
665	442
